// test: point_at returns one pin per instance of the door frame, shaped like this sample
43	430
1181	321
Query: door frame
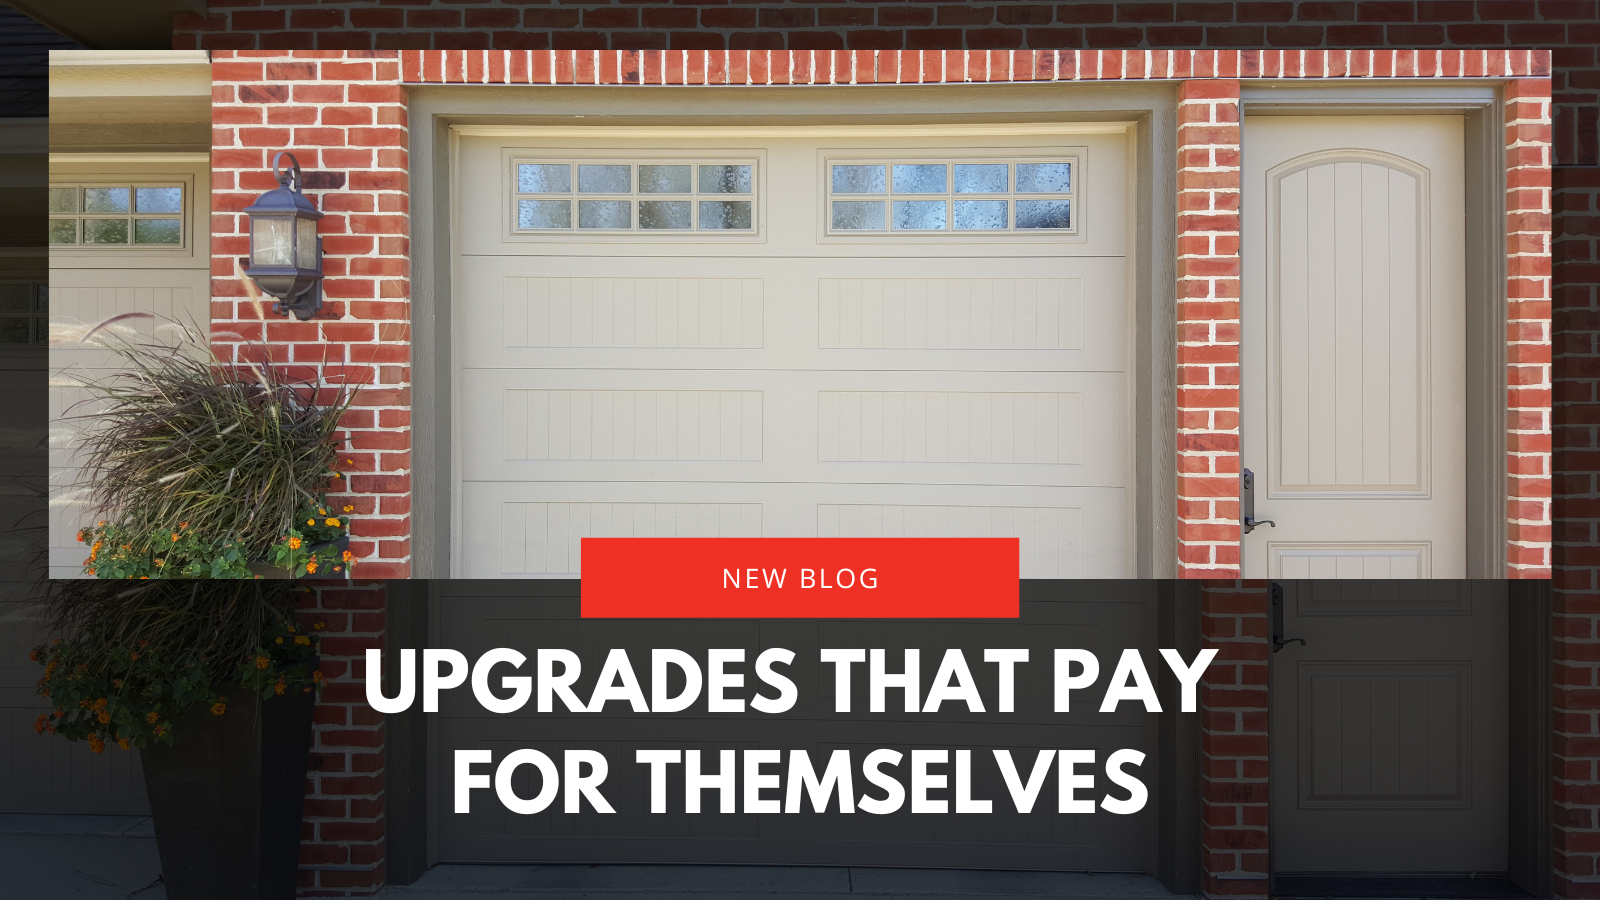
1481	105
1529	804
1148	108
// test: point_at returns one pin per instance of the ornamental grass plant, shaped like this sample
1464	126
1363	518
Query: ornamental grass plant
196	467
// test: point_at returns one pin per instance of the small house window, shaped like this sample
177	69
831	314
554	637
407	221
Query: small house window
24	314
116	215
952	196
601	196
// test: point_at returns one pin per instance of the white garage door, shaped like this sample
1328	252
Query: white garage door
667	333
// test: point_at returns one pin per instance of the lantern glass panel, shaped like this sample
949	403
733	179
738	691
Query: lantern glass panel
306	243
270	241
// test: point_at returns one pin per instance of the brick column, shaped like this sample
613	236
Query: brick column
1235	617
1208	328
1528	328
1576	745
341	839
1576	689
343	116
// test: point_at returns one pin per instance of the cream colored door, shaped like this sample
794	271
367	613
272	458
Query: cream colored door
1353	342
1389	728
794	378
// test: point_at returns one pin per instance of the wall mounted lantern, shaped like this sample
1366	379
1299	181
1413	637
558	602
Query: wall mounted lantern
285	252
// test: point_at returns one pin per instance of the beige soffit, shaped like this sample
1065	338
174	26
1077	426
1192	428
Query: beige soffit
107	87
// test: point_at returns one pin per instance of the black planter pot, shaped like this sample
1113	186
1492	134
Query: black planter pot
228	797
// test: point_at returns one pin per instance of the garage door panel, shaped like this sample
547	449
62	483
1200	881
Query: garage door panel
939	427
1014	319
790	380
532	529
791	174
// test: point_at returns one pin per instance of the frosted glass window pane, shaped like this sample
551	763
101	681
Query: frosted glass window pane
664	179
668	214
858	180
919	179
544	178
63	199
919	215
14	330
1044	214
306	243
158	200
270	238
724	215
544	213
63	231
976	214
157	231
105	199
603	180
1044	178
985	179
105	231
724	179
604	213
16	297
858	215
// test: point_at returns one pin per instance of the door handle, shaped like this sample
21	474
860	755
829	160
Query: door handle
1278	640
1247	502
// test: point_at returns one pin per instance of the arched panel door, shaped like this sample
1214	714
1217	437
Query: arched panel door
1353	330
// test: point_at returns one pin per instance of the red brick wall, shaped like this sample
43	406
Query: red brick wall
1235	618
341	846
344	118
1208	328
1576	713
1528	528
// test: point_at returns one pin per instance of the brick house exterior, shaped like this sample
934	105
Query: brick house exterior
344	114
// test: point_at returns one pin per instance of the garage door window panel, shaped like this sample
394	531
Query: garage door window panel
631	198
116	215
951	197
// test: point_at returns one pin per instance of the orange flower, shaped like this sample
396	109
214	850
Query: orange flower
277	640
41	723
218	708
174	537
331	522
104	717
348	556
278	689
303	640
183	524
311	567
319	625
160	563
262	662
311	521
96	744
294	543
123	743
152	717
317	676
349	509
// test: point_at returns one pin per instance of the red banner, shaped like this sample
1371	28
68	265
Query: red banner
800	578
